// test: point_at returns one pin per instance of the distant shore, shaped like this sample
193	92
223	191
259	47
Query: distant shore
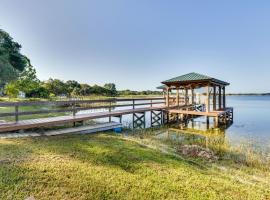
248	94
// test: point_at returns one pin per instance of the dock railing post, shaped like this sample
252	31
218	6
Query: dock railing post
110	109
74	112
74	108
133	107
16	113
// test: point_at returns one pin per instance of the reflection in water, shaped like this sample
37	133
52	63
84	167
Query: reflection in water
195	132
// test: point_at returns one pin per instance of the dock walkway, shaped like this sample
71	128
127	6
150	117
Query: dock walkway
51	121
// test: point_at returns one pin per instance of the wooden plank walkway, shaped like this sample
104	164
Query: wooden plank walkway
51	121
74	130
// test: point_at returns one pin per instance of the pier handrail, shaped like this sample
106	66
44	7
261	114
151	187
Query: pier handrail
74	106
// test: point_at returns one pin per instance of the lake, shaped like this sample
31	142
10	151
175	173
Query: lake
251	120
250	126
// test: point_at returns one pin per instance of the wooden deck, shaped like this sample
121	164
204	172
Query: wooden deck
197	113
51	121
136	107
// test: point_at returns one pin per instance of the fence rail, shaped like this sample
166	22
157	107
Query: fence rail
75	106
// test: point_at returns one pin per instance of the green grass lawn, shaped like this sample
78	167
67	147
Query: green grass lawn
107	166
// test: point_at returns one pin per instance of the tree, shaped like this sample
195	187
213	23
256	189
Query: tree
38	92
12	89
71	85
12	62
56	87
112	88
28	81
85	90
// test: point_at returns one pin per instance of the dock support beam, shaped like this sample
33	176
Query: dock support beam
193	96
177	96
168	97
186	96
215	98
207	122
139	120
156	118
207	103
224	98
219	98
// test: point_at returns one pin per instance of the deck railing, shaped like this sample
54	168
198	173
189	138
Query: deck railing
74	106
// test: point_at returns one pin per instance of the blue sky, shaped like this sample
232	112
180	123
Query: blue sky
139	43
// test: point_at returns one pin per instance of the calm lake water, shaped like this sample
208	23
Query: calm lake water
251	120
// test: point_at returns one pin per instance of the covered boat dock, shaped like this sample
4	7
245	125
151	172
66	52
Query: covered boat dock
202	96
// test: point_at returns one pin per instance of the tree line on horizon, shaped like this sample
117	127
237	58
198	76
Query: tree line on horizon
18	75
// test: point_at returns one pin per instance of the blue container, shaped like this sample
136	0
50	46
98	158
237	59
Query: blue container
117	130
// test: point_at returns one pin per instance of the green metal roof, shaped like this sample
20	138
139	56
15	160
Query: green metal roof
194	77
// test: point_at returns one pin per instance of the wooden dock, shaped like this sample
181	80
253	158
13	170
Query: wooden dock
107	108
74	130
215	113
52	121
220	116
102	109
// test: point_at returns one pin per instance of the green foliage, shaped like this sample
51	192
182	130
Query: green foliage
148	92
72	87
56	87
11	60
98	90
38	92
28	80
7	72
85	90
111	88
12	89
27	83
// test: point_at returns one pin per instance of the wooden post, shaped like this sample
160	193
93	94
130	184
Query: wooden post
177	96
186	96
192	96
207	123
110	109
207	103
215	99
216	122
74	112
73	109
168	97
144	124
133	104
219	98
151	118
224	98
133	107
16	113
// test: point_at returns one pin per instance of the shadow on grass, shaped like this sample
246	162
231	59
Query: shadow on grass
97	149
